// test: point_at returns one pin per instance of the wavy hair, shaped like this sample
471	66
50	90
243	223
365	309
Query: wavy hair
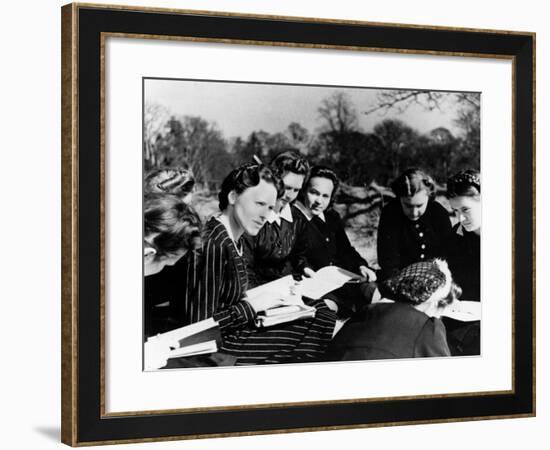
411	182
289	161
247	176
174	224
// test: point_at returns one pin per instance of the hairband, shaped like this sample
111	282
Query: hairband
468	177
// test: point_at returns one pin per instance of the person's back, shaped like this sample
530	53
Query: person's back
389	331
407	325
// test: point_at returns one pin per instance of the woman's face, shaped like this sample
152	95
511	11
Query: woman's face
292	183
318	194
414	207
252	206
468	210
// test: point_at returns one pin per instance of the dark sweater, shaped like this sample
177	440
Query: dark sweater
328	244
277	250
402	242
464	262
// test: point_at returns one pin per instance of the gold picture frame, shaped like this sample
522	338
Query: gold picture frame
85	27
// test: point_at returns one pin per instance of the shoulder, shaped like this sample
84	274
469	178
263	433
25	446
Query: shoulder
332	215
404	315
391	216
297	213
215	236
300	211
437	209
393	209
434	336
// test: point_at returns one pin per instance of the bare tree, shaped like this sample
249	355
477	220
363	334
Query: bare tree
396	137
338	114
155	120
399	100
298	136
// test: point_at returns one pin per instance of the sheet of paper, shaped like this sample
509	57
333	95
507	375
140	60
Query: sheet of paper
464	310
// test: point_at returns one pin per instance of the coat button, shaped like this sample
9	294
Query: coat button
421	234
423	246
327	239
422	256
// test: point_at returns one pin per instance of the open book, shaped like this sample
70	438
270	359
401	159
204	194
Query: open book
196	339
291	292
327	280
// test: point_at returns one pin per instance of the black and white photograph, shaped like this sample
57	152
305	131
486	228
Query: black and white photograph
292	223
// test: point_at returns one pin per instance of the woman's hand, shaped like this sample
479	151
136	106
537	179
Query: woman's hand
367	273
309	273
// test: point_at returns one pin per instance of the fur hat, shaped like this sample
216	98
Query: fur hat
421	282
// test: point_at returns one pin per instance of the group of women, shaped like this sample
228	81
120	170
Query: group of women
277	220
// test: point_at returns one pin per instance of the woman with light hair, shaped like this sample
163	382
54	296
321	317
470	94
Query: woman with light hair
406	323
414	226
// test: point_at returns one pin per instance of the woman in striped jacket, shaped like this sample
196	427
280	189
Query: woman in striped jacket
216	279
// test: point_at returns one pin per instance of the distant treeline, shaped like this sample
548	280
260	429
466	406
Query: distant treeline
359	158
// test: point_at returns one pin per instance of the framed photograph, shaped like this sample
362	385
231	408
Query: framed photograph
273	224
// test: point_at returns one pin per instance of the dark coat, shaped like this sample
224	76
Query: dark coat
464	262
328	244
402	242
389	331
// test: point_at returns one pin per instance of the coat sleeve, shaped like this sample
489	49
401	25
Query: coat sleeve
205	299
249	254
444	226
348	251
298	254
432	340
387	244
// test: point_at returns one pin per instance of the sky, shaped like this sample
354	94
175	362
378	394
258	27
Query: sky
240	108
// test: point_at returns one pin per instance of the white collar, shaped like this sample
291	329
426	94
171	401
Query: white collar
306	212
222	219
285	213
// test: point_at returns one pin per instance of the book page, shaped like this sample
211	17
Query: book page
326	280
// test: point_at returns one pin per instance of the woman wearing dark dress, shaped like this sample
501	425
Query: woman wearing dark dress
171	229
328	243
464	192
160	288
406	326
216	279
279	249
413	227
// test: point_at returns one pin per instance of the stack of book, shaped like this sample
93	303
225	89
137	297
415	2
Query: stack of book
196	339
